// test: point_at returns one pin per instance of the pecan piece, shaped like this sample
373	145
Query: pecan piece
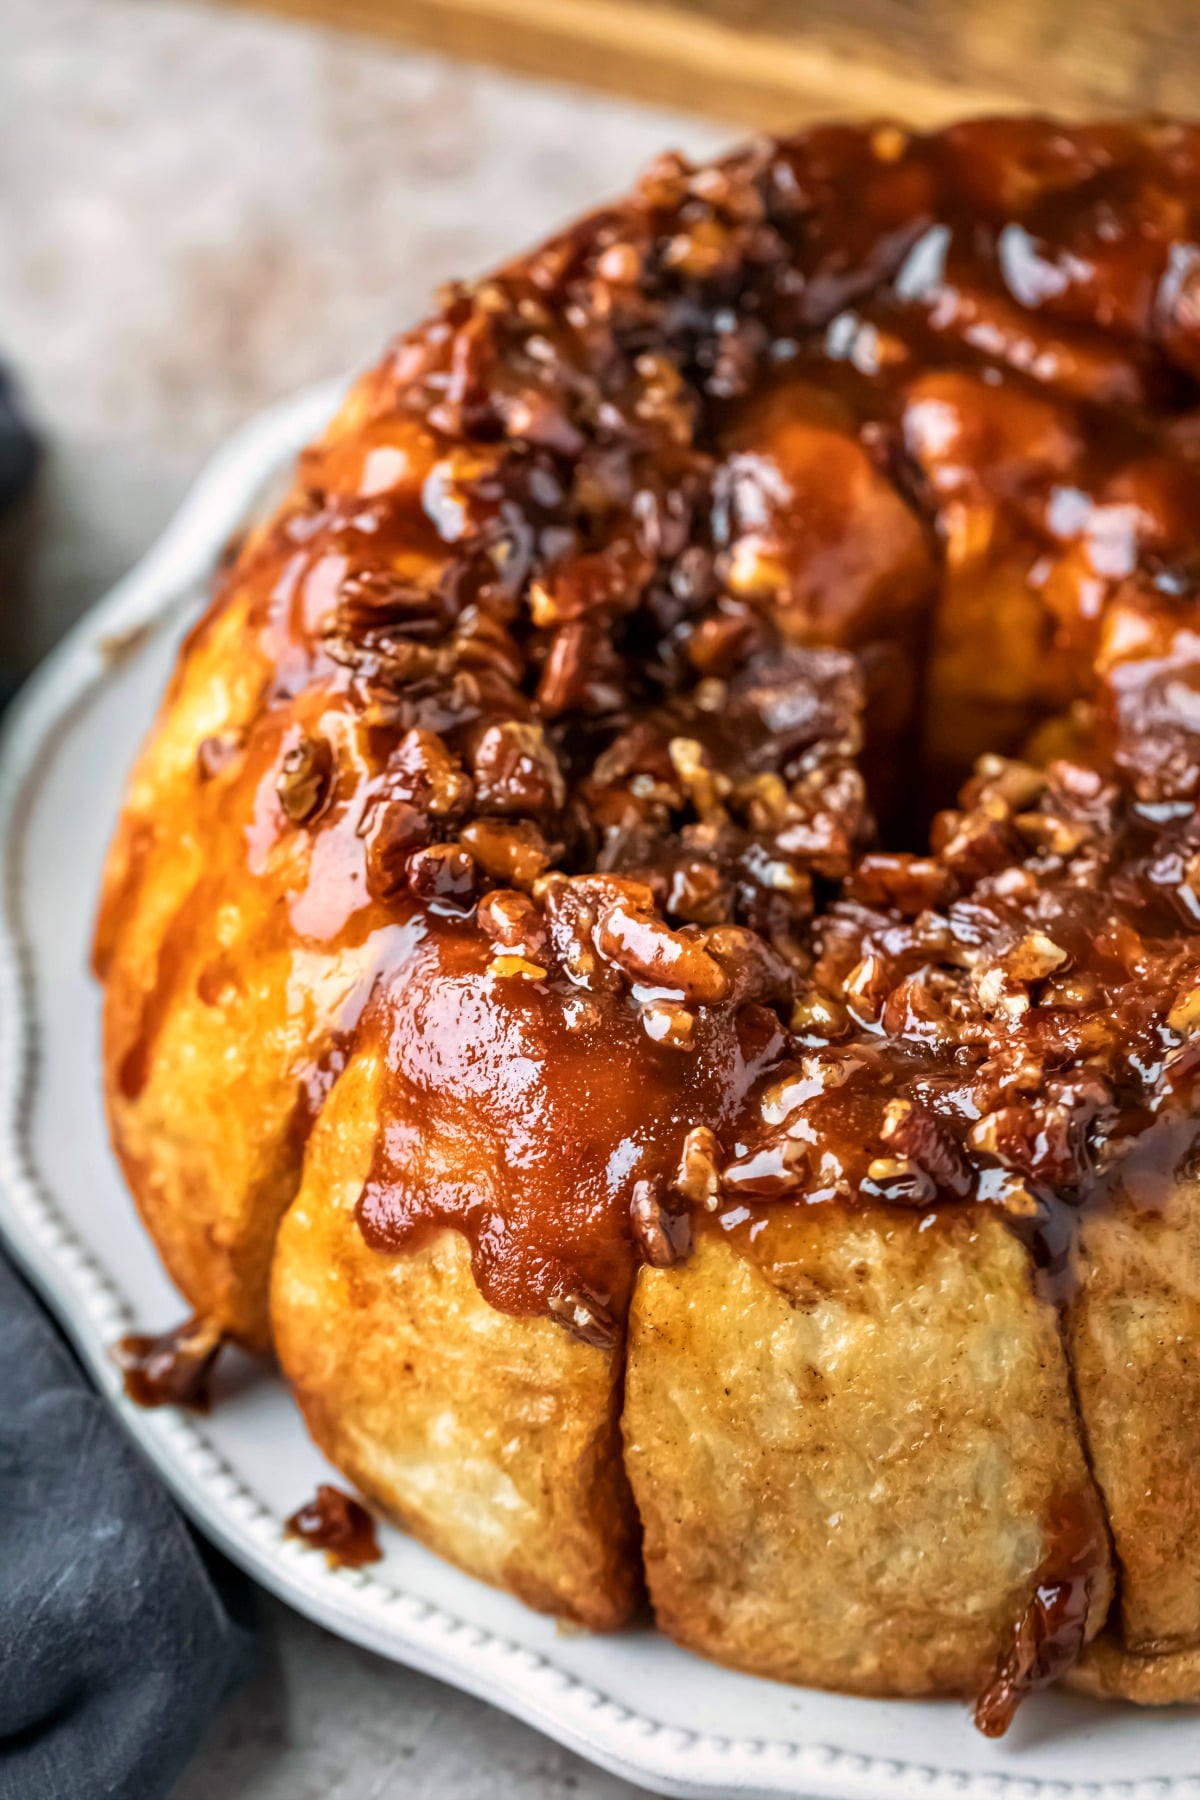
422	770
516	771
305	776
914	1134
648	950
899	1181
443	872
512	920
1184	1016
514	852
666	1023
1035	957
1044	1142
698	1177
819	1015
391	831
585	1317
663	1238
911	884
706	787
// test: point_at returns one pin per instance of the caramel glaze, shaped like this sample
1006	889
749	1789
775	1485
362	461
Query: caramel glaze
623	599
172	1368
338	1524
1049	1635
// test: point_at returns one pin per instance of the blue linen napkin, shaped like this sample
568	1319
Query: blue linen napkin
119	1631
119	1635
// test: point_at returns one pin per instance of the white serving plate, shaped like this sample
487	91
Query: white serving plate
632	1702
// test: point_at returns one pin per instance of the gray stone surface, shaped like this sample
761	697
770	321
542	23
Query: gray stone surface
199	211
326	1721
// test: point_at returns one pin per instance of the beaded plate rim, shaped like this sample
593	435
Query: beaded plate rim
88	1301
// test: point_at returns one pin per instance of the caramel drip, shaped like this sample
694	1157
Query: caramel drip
338	1524
172	1369
1049	1634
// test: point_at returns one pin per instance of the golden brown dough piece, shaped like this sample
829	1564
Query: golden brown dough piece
216	1026
492	1439
1133	1321
1135	1347
1105	1670
201	1134
849	1449
230	981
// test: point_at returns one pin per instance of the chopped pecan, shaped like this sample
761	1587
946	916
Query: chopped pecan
378	599
707	788
422	770
585	1317
1044	1142
699	893
511	850
512	919
665	1022
391	829
755	970
899	1181
516	771
1035	957
648	950
608	580
974	844
582	672
443	872
1061	837
305	777
819	1015
663	1238
698	1177
1184	1016
911	884
913	1133
912	1011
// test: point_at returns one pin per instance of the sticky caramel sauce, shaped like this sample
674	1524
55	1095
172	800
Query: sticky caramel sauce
1049	1634
172	1368
339	1525
527	1113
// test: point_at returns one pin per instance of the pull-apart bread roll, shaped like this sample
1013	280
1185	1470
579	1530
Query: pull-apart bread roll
539	1007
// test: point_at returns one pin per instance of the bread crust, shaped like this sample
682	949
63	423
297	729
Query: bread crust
492	1439
1134	1332
844	1470
219	1016
1108	1671
201	1127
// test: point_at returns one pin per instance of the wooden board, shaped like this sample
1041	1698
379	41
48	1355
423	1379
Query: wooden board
771	63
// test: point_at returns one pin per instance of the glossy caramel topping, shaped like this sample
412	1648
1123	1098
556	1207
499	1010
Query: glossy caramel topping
338	1524
1011	1020
171	1369
539	1105
1049	1635
624	598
